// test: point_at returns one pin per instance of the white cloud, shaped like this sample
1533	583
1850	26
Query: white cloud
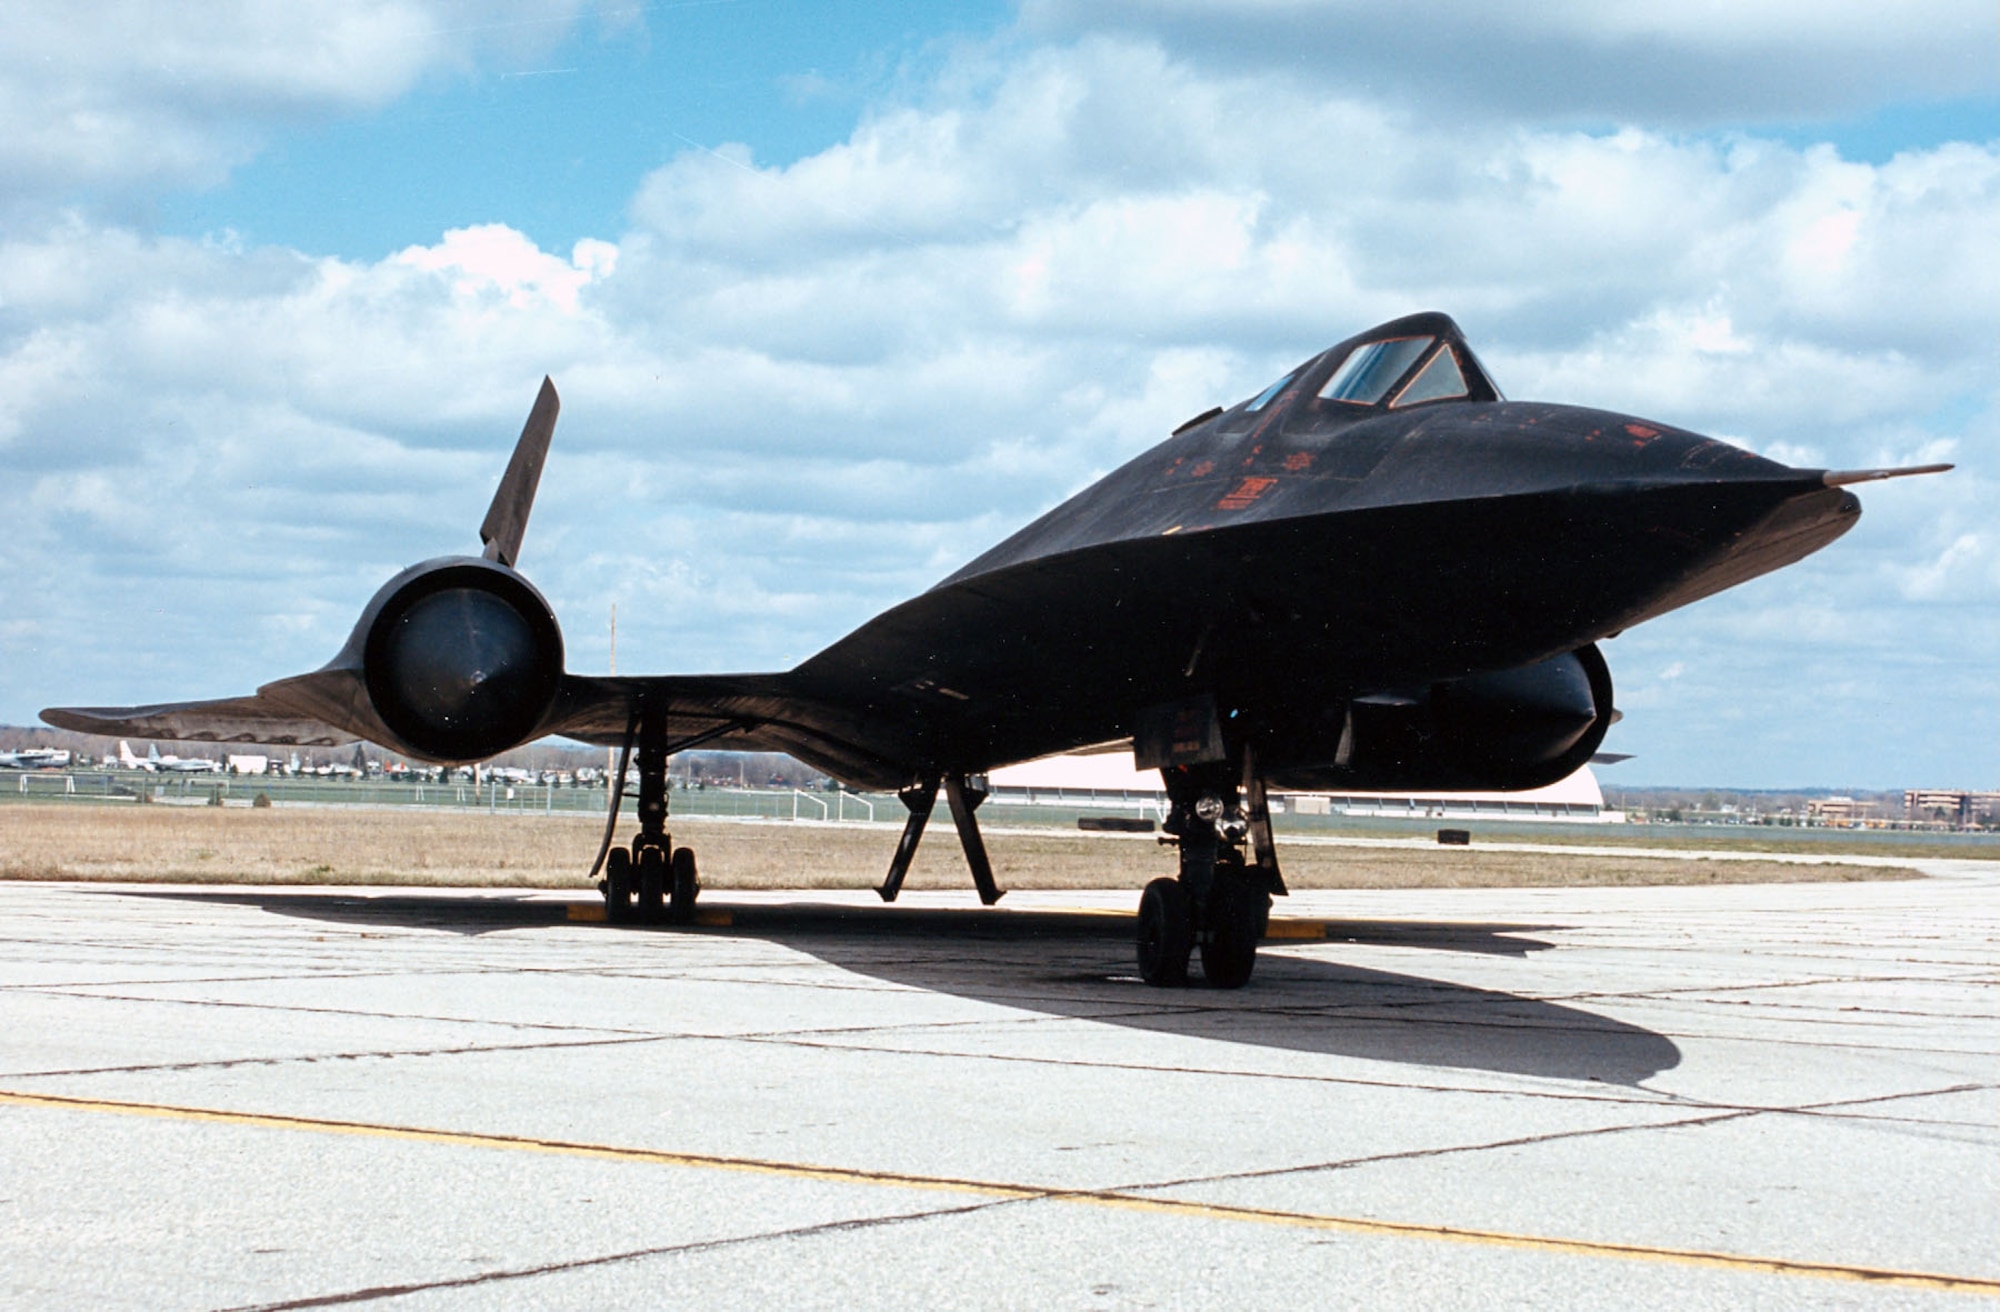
794	395
493	259
118	98
1594	59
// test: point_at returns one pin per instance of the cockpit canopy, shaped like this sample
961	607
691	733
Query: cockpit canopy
1416	360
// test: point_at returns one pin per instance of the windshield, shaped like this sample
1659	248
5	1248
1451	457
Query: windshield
1368	373
1440	380
1263	398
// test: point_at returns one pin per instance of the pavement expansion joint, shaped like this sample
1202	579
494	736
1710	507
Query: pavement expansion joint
310	1058
993	1190
1638	1095
1448	1150
375	1292
87	992
283	977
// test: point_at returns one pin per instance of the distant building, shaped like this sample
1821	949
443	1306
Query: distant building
1958	807
1108	781
1835	811
1576	798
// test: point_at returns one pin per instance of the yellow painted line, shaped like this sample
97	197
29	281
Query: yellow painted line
1106	1198
515	1143
594	911
1295	929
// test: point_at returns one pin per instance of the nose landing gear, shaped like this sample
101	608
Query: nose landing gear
1220	903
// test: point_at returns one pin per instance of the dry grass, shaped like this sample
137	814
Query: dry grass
352	845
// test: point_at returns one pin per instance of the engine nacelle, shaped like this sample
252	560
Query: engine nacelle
1503	730
461	659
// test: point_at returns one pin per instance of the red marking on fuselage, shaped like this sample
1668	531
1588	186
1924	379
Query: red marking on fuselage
1297	461
1640	430
1246	492
1202	469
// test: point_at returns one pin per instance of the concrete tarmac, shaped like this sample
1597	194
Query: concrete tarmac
1729	1097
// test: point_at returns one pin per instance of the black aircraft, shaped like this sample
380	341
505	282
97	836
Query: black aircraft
1375	574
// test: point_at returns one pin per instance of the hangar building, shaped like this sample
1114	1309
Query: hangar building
1108	781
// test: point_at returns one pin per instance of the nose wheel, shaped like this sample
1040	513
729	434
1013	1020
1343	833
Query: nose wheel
1225	932
1219	905
1166	934
1237	914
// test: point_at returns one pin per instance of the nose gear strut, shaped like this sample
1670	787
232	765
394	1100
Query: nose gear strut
1220	903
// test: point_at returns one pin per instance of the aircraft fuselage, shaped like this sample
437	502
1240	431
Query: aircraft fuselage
1290	561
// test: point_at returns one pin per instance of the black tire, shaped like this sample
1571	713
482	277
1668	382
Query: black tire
618	886
1237	913
686	886
1166	934
652	883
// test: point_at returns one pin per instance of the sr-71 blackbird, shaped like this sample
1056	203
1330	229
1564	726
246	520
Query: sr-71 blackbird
1376	574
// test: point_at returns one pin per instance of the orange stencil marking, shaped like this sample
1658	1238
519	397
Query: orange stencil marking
1298	460
1246	492
1203	469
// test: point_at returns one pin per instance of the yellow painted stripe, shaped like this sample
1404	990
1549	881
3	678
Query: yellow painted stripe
1295	929
516	1143
1114	1199
714	917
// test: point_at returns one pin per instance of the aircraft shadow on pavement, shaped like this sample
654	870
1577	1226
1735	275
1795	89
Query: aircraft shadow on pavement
1079	965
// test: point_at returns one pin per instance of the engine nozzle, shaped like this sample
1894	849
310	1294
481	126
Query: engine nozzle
462	660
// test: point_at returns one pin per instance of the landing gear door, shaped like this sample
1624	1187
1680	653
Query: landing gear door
1178	733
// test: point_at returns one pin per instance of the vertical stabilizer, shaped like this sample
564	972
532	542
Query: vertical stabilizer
507	518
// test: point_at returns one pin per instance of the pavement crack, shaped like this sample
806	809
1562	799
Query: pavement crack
231	1063
377	1292
1650	1098
283	977
1716	1117
1449	1150
342	1011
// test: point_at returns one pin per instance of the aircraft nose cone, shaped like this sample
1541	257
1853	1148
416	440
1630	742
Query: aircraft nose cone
1675	454
1514	449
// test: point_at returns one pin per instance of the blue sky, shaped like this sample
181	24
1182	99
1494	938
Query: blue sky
837	296
551	140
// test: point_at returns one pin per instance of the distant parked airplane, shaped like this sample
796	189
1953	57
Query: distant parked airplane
153	762
35	758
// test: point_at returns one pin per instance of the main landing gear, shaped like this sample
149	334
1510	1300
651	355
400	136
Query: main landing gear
651	880
1221	902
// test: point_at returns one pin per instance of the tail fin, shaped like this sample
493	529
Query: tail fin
507	518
